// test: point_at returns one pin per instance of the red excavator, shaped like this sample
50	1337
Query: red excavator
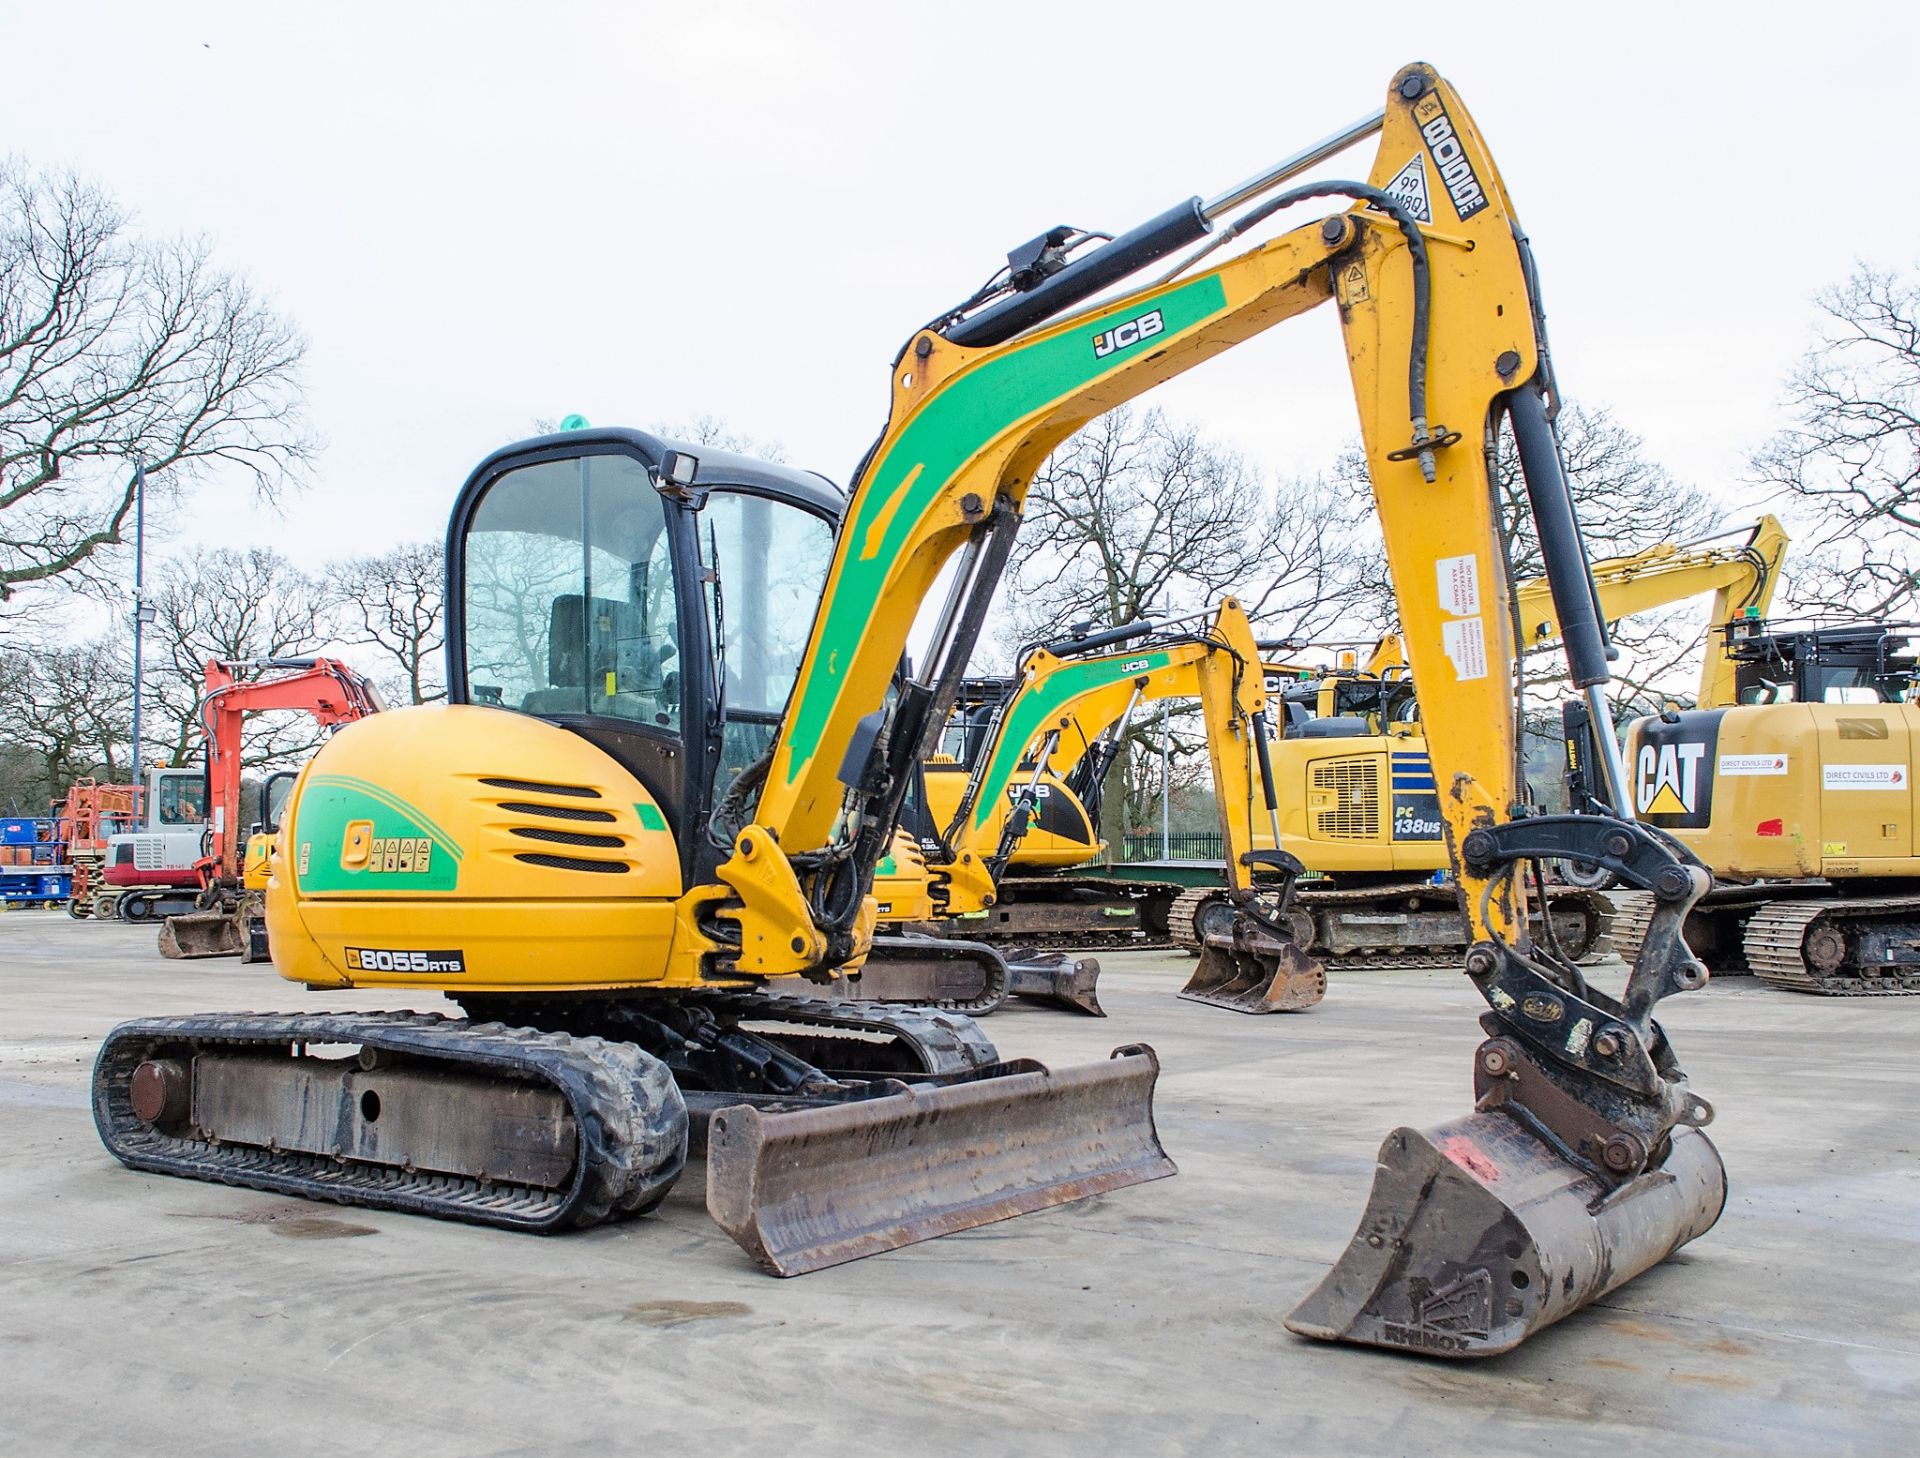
232	870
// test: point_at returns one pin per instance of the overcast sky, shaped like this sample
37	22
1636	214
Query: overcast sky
483	214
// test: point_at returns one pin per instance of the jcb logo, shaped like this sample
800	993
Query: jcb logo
1125	336
1673	771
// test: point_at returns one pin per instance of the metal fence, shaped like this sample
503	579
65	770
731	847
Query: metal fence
1184	845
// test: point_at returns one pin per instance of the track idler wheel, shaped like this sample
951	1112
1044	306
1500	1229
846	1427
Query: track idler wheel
1479	1233
1249	965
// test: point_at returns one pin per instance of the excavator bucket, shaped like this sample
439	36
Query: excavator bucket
813	1187
1249	967
1055	979
1478	1233
202	934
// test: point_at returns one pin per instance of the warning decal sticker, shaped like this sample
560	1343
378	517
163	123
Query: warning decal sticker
1466	645
1409	189
1459	586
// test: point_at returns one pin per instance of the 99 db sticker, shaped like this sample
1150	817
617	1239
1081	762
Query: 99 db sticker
391	959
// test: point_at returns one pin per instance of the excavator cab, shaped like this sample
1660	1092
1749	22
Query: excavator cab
660	621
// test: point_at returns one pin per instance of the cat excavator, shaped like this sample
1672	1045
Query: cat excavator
657	787
1793	780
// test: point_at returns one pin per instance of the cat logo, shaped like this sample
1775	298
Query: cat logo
1673	771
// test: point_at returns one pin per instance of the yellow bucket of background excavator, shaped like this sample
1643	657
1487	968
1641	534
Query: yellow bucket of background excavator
1479	1233
808	1188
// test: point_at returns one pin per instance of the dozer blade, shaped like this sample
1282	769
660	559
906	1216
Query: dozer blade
814	1187
201	934
1252	969
1478	1234
1055	979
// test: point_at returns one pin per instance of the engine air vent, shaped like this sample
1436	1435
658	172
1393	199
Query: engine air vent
572	863
534	787
559	812
568	837
1355	784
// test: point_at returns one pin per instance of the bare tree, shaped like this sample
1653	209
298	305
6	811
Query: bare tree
1626	502
70	710
1138	516
116	349
233	606
1848	466
395	604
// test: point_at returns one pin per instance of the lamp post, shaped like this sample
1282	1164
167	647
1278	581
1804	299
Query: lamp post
1166	791
142	613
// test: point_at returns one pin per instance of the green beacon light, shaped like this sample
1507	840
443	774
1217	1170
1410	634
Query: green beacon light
575	422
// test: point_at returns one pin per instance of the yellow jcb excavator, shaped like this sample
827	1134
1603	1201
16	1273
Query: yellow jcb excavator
1050	722
940	889
623	824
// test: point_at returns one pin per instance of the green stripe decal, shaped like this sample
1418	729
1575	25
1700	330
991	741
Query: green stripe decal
330	803
650	816
941	439
1032	709
382	795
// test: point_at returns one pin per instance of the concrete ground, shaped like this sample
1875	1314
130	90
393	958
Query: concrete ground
145	1315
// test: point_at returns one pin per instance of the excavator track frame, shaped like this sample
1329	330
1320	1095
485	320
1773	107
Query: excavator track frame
629	1123
1596	914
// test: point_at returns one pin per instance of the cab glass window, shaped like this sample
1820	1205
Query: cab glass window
569	598
766	566
182	800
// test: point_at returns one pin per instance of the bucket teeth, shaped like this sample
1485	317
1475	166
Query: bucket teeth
810	1188
1253	969
1478	1233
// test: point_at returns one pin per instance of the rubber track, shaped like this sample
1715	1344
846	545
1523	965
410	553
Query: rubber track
630	1119
956	949
1142	937
1190	901
1777	932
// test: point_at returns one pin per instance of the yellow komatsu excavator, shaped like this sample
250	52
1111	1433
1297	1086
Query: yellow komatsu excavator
1794	781
655	789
